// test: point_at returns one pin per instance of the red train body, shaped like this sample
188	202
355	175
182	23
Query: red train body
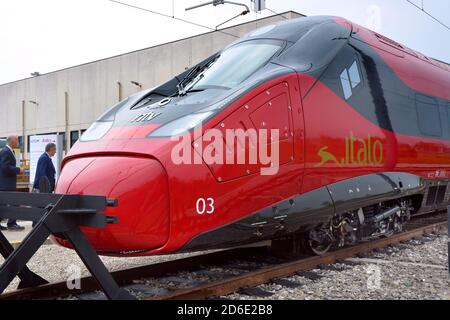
364	142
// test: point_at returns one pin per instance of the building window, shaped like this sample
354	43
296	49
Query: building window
20	145
350	79
428	115
74	136
64	142
2	143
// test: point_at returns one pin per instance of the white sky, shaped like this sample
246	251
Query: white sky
47	35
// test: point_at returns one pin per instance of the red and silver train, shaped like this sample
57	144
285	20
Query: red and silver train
363	144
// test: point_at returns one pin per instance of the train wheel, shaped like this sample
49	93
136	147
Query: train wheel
319	249
319	241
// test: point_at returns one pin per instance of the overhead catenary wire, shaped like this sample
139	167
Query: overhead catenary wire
421	8
171	17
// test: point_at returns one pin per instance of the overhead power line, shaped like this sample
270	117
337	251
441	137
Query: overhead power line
421	8
172	17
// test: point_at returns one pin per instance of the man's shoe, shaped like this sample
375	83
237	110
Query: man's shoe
15	227
3	228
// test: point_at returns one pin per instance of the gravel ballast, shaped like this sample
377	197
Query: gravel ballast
416	269
56	263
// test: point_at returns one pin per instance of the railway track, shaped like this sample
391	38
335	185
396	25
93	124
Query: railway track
252	279
228	285
127	276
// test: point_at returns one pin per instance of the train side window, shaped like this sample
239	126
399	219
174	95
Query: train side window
353	72
346	84
350	79
428	115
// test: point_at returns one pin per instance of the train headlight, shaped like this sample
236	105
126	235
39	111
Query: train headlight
96	131
181	125
100	127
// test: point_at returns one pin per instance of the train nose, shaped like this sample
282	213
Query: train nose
140	186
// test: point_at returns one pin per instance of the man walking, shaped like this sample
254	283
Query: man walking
8	174
45	168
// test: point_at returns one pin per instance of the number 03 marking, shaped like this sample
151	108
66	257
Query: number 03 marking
205	206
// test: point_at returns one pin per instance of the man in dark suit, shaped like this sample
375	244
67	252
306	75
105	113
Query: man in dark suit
45	168
8	174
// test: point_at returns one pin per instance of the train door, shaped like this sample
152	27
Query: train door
265	119
298	118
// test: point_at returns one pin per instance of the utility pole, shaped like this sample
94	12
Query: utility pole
119	88
24	137
66	113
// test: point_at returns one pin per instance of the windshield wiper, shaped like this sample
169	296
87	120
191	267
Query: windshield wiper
194	73
180	85
196	80
194	90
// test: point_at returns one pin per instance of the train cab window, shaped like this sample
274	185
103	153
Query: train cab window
350	79
428	116
236	64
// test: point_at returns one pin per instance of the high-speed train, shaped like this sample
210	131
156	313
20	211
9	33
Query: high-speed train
355	129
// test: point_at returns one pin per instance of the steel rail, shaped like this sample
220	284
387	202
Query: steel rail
252	279
220	287
127	276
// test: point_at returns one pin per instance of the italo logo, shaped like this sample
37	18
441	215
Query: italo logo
368	151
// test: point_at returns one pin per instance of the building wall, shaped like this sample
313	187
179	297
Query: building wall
71	99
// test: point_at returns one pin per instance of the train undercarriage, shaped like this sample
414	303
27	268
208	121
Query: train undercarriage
363	224
348	228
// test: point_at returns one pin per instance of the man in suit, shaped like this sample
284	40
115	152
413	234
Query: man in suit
45	168
8	174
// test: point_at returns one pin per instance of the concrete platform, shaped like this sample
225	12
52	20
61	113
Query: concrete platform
16	237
